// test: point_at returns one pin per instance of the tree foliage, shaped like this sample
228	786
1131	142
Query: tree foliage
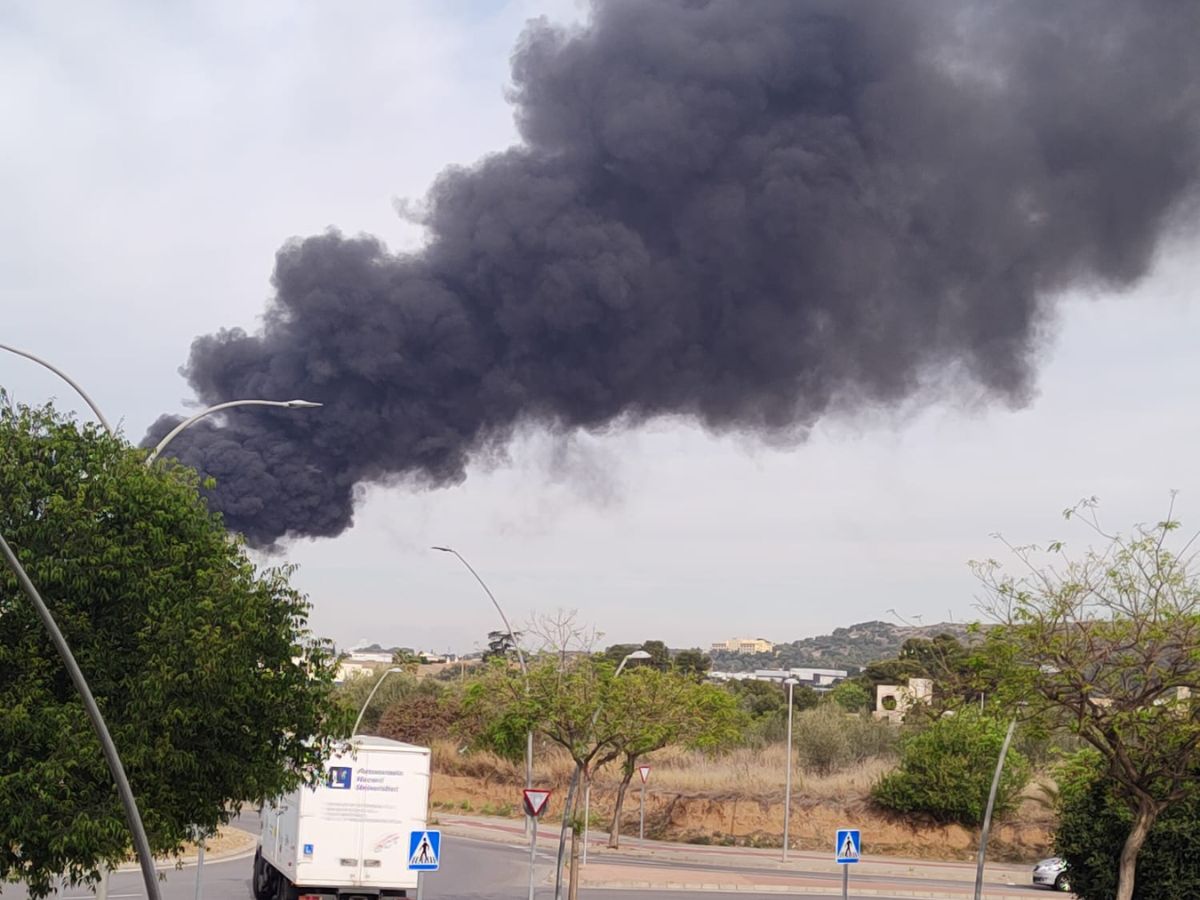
694	662
946	771
501	644
1107	645
1094	822
851	696
651	709
213	690
828	739
765	703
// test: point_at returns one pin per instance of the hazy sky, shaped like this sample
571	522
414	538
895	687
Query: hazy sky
154	159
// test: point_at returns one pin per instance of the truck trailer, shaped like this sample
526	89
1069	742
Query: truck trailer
347	838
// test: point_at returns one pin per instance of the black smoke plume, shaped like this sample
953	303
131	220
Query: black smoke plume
746	213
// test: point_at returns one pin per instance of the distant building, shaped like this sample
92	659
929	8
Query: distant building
743	645
362	657
819	680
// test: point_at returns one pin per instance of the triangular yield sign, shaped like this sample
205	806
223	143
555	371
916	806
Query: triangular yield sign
644	771
535	801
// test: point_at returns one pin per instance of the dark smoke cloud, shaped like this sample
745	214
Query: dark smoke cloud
745	213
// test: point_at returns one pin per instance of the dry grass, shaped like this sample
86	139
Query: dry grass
746	772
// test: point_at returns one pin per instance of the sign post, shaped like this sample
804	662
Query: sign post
847	849
535	802
644	771
424	855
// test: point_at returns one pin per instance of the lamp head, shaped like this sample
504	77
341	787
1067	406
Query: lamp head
302	404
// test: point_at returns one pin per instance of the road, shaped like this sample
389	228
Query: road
477	869
481	870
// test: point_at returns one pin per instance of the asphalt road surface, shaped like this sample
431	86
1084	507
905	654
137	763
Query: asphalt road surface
474	869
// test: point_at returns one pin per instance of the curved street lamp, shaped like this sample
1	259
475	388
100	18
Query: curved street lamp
174	432
362	712
65	377
530	822
520	657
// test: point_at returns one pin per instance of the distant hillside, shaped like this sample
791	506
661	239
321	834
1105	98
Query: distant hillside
847	648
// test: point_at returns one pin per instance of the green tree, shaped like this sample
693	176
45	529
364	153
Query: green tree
431	711
851	696
352	693
660	656
213	689
829	739
946	770
407	660
650	709
1093	824
501	644
1107	645
694	663
766	704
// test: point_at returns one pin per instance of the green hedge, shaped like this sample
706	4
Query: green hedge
1093	825
946	771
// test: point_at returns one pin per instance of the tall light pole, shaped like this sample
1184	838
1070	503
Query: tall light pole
186	423
530	823
787	791
991	803
362	712
65	377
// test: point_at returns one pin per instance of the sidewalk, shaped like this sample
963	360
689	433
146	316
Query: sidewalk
663	866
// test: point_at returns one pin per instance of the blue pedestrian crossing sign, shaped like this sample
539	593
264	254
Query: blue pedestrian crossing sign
848	846
424	851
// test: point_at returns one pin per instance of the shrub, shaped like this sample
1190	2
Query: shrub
946	771
1093	825
420	718
828	739
851	696
822	738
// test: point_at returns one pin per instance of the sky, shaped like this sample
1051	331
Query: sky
156	157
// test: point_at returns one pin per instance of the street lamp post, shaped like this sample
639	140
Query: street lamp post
787	790
530	823
65	377
991	803
174	432
362	712
154	454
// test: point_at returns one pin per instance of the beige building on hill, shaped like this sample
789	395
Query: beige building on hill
743	645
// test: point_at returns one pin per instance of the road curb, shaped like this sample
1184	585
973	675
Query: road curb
245	850
718	888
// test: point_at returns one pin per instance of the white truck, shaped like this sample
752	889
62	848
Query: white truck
348	837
